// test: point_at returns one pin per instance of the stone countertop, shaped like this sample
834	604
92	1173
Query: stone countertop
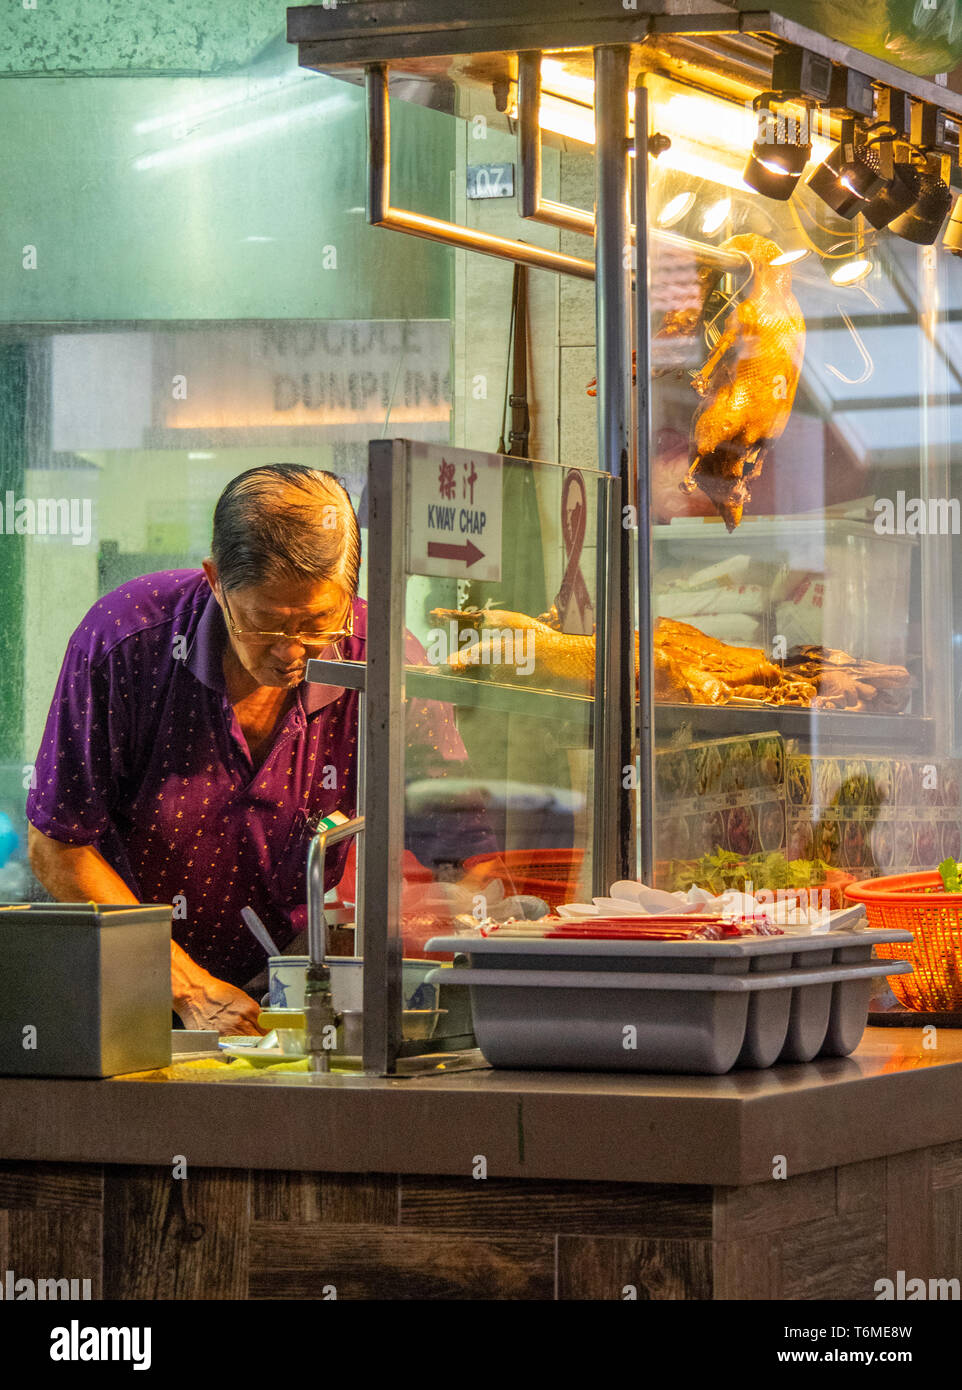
892	1095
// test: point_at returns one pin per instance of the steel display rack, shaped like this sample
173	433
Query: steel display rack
429	52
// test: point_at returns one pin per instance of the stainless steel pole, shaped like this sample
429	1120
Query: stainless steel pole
646	696
935	554
384	753
614	651
360	844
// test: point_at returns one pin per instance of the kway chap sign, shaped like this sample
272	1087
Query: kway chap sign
454	512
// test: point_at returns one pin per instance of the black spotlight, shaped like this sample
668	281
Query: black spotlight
779	155
952	241
897	198
922	222
849	179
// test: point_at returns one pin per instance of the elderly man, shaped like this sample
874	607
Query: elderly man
184	760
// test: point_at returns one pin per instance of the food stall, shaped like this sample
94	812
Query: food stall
721	648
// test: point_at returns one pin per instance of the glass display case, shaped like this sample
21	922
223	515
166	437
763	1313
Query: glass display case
802	506
773	246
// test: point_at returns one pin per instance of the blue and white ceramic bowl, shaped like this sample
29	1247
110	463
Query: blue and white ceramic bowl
288	974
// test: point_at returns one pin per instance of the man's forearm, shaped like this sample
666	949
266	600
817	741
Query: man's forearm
80	874
75	873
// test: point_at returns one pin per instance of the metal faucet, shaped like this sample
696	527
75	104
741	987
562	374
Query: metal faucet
322	1018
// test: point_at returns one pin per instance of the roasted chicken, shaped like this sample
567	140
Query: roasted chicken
748	383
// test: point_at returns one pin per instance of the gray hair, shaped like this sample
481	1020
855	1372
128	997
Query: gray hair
285	521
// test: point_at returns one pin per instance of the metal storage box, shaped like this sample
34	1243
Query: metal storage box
86	989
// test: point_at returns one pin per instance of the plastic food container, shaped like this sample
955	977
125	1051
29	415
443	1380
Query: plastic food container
554	875
865	577
634	1021
693	1006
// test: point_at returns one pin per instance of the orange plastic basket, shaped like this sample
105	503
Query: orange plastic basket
551	874
918	903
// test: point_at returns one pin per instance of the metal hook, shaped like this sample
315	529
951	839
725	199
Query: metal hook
868	366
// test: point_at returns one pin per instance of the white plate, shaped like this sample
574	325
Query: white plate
236	1047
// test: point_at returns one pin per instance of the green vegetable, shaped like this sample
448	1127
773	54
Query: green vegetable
724	869
951	875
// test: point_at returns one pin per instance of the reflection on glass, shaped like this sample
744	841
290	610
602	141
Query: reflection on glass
803	406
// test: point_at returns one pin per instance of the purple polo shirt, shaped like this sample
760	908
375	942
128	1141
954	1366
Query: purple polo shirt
143	757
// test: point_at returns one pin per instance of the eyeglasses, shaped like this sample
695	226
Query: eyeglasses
304	639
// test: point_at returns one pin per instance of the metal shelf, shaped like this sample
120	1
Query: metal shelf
911	733
495	695
906	732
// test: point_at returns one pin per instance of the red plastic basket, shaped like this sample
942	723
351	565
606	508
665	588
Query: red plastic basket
918	903
551	874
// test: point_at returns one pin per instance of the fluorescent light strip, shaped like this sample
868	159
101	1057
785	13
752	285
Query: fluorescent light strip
556	78
238	96
194	149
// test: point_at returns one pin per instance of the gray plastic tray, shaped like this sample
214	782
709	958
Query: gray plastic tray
845	943
636	1020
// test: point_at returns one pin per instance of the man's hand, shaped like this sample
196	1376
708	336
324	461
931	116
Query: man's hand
203	1001
214	1003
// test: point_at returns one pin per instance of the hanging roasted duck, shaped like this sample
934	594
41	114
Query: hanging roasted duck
748	383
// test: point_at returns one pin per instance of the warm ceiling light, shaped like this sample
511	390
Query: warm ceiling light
849	179
675	209
922	222
779	154
567	118
555	77
715	216
851	272
797	253
709	136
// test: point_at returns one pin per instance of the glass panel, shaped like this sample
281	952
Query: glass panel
499	814
195	291
805	389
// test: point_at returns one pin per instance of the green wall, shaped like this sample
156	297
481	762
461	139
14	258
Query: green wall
141	204
170	164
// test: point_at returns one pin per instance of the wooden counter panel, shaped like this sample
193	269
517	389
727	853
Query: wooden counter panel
169	1238
742	1212
66	1186
838	1257
371	1198
371	1262
52	1242
233	1233
615	1267
567	1208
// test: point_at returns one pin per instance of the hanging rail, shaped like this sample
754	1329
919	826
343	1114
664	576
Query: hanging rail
381	214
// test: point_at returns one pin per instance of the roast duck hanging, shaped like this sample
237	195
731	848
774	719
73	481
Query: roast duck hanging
747	384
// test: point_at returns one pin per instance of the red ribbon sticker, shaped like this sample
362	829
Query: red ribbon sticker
573	604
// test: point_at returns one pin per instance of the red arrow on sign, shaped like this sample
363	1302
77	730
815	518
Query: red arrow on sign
469	552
